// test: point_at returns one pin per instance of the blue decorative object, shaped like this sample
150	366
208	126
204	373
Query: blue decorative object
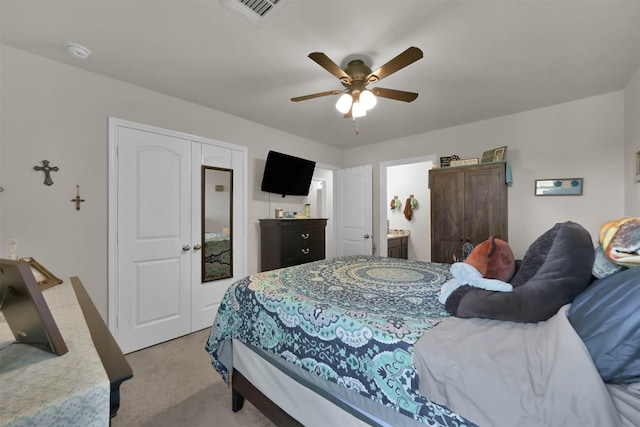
559	187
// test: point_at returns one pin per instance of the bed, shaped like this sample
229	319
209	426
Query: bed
363	340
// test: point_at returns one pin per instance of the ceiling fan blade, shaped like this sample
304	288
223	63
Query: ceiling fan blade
316	95
325	62
407	57
398	95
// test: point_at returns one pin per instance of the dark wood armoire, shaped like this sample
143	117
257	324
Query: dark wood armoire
468	204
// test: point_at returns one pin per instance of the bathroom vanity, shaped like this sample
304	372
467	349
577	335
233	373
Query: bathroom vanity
397	243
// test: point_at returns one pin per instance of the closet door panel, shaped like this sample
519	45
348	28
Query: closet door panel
154	225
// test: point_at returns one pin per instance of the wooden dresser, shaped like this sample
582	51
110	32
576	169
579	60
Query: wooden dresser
287	242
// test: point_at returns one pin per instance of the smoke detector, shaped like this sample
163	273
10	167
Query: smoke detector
254	11
77	50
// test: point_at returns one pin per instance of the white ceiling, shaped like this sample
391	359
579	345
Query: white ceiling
482	59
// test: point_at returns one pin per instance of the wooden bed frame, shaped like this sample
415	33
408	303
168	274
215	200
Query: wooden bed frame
242	389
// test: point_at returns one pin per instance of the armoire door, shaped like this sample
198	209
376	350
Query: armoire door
447	214
485	208
154	238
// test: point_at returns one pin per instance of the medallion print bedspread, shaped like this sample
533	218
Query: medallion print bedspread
351	320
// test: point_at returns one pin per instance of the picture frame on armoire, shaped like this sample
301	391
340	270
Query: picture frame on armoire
494	155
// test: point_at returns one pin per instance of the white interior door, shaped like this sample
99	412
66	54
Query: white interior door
354	211
206	296
154	238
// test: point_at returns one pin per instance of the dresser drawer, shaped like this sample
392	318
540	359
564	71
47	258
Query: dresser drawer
302	234
294	254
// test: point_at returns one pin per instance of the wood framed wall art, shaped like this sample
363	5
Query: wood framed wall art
494	155
559	187
44	278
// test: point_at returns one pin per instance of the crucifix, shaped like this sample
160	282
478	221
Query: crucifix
47	171
77	199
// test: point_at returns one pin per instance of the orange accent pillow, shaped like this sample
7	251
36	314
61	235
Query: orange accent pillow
494	259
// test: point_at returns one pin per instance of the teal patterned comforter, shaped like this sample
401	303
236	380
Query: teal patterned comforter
351	320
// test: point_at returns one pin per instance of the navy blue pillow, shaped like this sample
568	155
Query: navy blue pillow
607	318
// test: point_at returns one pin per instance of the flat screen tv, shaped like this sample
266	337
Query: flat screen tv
287	175
25	309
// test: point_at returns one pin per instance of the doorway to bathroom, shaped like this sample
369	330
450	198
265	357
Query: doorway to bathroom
408	179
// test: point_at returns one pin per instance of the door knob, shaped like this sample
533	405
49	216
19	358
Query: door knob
366	236
197	247
186	248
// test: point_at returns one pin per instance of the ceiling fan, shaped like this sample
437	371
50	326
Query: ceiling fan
356	98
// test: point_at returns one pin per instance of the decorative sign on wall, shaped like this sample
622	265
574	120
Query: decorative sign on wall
559	187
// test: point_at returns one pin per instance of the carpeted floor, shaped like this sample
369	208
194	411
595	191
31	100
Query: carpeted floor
175	385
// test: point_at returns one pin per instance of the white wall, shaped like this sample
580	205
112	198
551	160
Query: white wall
59	113
583	138
402	181
632	144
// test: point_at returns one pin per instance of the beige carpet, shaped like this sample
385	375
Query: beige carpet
174	385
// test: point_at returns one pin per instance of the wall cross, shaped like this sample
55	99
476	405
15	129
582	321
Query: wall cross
47	171
77	199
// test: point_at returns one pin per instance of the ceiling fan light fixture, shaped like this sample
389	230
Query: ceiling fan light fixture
358	110
368	99
344	103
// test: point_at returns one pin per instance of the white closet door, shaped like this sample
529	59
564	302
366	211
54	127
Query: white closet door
206	296
154	238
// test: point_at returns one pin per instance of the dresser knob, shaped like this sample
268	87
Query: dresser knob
197	247
305	235
305	251
186	248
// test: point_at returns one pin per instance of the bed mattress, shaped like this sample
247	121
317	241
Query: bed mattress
352	321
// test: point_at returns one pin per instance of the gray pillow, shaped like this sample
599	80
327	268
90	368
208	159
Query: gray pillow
603	266
607	318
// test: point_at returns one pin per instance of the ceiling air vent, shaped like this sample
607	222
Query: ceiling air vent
254	11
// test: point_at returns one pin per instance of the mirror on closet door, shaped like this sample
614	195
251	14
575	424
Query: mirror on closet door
217	227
